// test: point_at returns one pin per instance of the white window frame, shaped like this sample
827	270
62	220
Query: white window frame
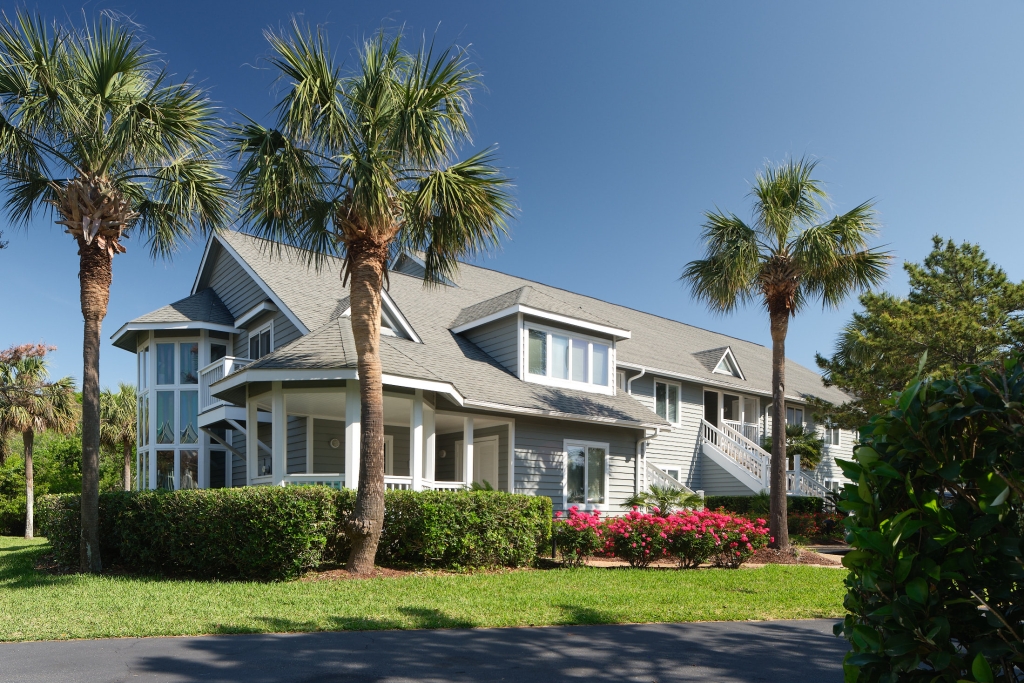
255	332
586	465
732	361
620	380
679	399
548	380
833	436
795	409
389	455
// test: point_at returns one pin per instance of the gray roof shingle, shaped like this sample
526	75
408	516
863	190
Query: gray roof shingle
203	306
527	296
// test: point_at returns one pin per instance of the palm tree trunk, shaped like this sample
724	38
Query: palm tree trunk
366	269
778	515
28	438
127	466
95	275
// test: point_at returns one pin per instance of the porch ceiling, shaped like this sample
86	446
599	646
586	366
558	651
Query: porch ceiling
330	405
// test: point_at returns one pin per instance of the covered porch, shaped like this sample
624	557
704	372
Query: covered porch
308	432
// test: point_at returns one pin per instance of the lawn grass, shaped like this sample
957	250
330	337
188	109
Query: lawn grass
41	606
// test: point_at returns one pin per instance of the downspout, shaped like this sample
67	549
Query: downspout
640	444
629	382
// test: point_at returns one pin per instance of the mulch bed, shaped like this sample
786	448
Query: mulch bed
794	556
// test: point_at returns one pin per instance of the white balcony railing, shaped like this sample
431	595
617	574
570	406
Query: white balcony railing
217	370
397	483
444	485
750	430
335	481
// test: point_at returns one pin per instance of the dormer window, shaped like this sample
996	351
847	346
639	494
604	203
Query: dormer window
563	359
728	365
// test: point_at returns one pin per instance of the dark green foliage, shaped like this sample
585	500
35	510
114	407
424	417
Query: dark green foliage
936	588
742	505
961	309
272	533
802	442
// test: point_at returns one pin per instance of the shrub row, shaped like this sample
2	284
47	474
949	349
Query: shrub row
748	505
690	537
817	525
273	533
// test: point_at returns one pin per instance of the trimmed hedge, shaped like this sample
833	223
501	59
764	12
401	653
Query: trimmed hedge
741	504
273	533
936	583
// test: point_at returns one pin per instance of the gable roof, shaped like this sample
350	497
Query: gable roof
659	345
527	296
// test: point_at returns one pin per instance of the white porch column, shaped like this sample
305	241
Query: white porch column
309	445
429	473
279	441
467	448
416	441
229	436
251	439
352	434
151	447
796	474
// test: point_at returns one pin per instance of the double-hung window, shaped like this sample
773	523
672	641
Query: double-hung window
586	473
260	342
794	416
564	359
832	436
666	401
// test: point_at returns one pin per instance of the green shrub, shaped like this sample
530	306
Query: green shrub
936	588
579	536
272	533
742	505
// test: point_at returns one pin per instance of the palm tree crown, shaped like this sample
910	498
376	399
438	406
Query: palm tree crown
791	254
362	164
118	424
90	128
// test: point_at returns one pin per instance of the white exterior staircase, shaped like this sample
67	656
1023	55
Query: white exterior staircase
751	465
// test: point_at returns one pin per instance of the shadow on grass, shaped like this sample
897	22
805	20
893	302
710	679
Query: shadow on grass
575	614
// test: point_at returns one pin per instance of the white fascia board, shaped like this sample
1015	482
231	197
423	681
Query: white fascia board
613	332
569	417
202	262
193	325
263	285
396	315
255	311
246	376
707	381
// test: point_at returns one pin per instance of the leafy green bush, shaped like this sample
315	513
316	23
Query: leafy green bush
579	536
742	505
272	533
936	588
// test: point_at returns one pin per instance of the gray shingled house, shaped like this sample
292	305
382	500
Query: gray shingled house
251	380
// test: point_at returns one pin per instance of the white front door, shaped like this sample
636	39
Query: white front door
485	461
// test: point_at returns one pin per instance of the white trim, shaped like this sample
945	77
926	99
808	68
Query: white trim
496	440
548	380
245	375
261	307
256	332
389	455
569	417
735	363
586	464
202	262
309	443
679	400
263	285
709	381
395	315
614	332
193	325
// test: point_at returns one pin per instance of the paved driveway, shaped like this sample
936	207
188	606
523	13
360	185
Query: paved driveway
711	652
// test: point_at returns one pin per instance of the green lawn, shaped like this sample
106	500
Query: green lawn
36	605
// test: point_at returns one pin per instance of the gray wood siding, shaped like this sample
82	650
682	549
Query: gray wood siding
498	340
401	438
327	460
238	477
717	482
296	462
540	458
677	449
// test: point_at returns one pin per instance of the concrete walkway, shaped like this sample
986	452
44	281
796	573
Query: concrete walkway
663	653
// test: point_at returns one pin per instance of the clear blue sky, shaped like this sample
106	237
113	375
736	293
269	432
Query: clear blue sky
621	123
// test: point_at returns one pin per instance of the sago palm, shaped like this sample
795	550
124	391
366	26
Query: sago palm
34	405
361	163
92	130
790	255
118	424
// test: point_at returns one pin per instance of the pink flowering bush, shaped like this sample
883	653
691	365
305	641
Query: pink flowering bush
578	536
691	537
736	539
638	537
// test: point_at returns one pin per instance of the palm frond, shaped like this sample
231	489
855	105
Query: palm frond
727	275
786	196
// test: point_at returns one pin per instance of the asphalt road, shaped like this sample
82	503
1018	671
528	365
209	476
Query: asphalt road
720	652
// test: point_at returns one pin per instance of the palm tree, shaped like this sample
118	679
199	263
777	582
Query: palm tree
118	424
91	130
791	254
34	405
361	164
